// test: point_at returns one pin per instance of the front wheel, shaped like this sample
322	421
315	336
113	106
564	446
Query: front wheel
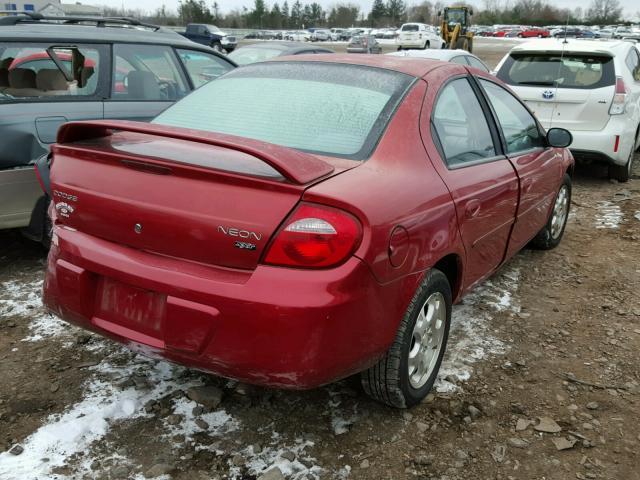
406	374
217	47
549	237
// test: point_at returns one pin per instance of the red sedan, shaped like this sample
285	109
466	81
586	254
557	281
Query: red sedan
534	32
298	221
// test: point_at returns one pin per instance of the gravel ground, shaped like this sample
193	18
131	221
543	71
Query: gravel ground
541	381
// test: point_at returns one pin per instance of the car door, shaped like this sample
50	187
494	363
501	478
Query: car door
482	181
145	80
538	167
37	96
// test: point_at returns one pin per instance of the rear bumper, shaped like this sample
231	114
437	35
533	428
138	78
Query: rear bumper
273	326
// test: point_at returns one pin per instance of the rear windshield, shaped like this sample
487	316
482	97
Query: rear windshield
330	109
557	70
410	28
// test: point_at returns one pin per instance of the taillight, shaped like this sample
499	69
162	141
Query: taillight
315	236
619	98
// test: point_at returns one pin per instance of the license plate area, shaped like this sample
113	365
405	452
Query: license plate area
134	308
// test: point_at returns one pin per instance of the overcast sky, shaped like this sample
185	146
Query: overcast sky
631	6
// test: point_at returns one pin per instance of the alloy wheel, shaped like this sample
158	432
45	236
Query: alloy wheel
560	212
427	339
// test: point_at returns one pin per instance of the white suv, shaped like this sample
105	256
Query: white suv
589	87
418	35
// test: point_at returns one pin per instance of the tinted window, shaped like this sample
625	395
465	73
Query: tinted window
410	28
461	125
332	109
39	72
518	125
203	67
568	71
474	62
146	72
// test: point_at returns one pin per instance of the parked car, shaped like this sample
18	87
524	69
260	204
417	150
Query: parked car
364	44
337	34
575	33
418	35
621	32
592	88
299	36
248	247
534	32
124	70
461	57
259	52
390	33
211	36
321	35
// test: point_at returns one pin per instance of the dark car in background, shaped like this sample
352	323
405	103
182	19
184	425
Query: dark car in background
259	52
52	73
211	36
364	44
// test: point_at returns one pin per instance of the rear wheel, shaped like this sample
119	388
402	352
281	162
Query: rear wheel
622	173
549	237
406	374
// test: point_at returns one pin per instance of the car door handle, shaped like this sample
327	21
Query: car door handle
472	209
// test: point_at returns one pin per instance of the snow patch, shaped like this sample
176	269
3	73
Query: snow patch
470	339
608	215
274	456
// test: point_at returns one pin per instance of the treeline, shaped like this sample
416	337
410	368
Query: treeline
389	13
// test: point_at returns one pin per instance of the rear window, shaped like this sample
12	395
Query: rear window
410	28
330	109
557	70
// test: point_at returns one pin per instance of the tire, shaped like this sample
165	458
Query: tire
622	173
427	44
551	234
217	47
389	381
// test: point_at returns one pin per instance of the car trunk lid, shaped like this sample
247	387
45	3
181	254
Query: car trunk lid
208	198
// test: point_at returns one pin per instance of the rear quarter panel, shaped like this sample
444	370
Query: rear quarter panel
397	187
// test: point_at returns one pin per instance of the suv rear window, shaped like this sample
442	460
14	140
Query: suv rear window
557	70
410	28
331	109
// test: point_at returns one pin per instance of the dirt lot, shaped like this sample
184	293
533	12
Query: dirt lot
543	357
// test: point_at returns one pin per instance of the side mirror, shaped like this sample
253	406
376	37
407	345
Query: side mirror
559	138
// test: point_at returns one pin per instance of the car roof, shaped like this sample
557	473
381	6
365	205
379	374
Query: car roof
443	54
571	45
47	32
416	67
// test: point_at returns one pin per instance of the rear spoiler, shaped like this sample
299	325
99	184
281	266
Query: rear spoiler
298	167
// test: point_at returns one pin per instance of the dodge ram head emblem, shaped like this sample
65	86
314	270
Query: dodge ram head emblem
548	94
64	209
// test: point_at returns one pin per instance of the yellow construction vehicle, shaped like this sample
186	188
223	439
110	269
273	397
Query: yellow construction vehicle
454	27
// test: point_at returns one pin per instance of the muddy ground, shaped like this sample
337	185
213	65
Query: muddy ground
544	356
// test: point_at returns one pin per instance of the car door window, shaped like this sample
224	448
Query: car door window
39	72
203	67
146	72
519	127
461	125
474	62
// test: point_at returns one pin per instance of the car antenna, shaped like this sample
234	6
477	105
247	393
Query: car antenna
555	93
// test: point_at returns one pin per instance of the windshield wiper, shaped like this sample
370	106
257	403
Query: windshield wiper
541	83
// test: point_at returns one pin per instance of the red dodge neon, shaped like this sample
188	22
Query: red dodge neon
301	220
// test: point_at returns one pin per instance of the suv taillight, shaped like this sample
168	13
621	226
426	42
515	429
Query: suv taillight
619	98
315	236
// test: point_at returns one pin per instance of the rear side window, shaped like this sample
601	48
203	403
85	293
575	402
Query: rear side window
44	72
518	125
332	109
461	125
633	63
556	70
